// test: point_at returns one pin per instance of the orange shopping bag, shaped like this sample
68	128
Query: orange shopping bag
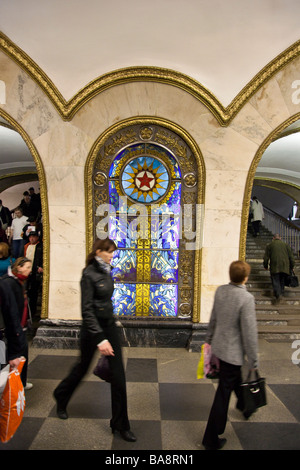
12	404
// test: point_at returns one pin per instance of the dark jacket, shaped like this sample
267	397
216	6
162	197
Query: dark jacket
38	257
97	287
12	306
280	256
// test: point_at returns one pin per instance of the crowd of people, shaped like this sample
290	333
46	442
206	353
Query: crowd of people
232	329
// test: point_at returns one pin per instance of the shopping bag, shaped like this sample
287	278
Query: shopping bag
200	367
209	364
12	403
3	378
253	394
102	369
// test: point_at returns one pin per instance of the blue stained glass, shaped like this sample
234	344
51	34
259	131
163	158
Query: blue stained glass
123	299
148	177
115	168
154	149
165	231
114	198
124	265
122	231
175	198
164	266
145	179
163	300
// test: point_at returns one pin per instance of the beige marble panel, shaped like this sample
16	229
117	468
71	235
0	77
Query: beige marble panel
65	186
270	103
221	228
225	189
215	264
250	124
67	261
30	107
64	300
228	150
64	145
145	99
288	80
67	224
207	300
9	72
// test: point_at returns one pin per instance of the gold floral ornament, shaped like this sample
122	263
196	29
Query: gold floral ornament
146	133
190	180
100	179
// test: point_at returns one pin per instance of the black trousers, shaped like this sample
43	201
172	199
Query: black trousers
88	346
278	280
256	227
229	381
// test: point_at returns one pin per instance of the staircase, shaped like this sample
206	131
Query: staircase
281	321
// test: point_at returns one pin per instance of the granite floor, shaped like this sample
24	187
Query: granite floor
168	405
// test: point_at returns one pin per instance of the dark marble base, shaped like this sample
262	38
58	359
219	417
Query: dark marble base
144	332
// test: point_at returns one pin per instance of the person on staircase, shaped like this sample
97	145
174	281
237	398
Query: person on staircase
258	215
280	260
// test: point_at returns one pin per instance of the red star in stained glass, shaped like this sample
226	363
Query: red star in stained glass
145	180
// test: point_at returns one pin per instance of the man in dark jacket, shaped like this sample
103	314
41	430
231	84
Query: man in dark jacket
281	260
5	217
34	251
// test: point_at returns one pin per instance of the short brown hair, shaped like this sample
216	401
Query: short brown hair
4	250
238	271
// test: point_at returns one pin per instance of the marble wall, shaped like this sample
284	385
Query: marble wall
62	148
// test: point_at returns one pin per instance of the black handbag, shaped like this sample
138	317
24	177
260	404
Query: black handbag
291	280
102	369
253	394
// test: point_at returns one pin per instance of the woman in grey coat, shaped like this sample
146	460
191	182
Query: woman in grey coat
232	334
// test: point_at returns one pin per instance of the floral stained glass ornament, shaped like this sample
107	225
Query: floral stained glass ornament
145	179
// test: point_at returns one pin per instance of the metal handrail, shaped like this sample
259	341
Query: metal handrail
289	233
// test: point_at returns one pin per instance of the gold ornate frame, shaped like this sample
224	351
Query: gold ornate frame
250	179
88	180
67	109
43	192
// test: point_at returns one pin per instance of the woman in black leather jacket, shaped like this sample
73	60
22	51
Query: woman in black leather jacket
99	331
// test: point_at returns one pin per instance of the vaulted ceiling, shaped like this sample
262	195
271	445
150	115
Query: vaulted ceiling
220	44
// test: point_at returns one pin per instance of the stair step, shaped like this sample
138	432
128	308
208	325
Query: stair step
274	321
278	319
278	333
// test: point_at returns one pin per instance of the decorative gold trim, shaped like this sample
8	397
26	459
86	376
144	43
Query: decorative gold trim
250	180
6	125
19	173
275	180
67	109
44	201
88	184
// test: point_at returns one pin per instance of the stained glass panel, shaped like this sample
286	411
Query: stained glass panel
124	265
124	299
145	179
163	300
165	231
164	266
145	269
122	231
